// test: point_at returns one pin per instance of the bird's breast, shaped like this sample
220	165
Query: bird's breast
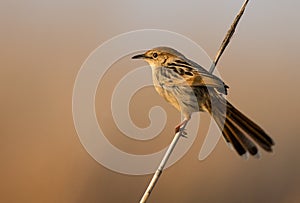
172	87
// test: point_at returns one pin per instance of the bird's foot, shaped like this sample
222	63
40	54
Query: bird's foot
177	128
181	127
182	131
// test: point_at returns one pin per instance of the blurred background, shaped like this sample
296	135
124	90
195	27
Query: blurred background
43	45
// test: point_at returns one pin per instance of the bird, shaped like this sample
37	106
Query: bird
191	88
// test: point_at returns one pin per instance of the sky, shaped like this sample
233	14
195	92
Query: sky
45	43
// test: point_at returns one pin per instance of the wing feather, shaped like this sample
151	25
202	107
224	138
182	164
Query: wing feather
195	75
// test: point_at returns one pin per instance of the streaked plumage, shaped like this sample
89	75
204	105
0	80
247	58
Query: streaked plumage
190	88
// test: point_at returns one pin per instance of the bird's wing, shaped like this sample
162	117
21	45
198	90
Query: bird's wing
194	75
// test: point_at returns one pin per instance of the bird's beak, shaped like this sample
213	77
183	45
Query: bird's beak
139	56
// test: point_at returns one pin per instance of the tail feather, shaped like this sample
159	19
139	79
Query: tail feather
251	128
229	136
243	139
240	131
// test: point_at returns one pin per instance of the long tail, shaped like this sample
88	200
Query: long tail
240	131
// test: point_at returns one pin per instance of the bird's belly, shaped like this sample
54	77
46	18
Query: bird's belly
181	97
176	91
168	96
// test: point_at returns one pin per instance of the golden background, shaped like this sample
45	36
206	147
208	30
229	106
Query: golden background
43	45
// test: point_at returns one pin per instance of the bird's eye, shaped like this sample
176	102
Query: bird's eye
154	55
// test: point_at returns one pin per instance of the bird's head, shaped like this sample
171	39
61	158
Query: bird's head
159	56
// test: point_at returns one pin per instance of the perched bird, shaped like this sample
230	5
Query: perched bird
191	88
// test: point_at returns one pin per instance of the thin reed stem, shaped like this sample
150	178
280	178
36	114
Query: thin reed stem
228	37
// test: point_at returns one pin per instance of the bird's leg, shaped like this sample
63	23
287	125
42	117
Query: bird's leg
177	128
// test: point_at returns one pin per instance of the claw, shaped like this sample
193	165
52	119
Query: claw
177	128
184	133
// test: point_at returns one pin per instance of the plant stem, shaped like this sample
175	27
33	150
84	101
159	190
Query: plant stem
162	164
228	37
